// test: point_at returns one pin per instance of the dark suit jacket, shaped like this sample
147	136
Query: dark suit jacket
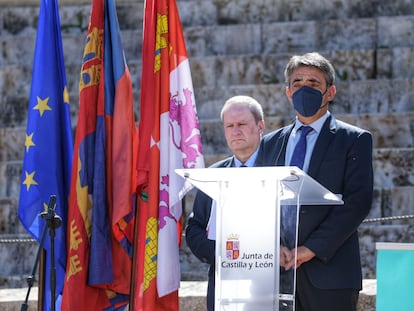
342	163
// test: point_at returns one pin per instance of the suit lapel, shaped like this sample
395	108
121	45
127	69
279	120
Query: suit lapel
281	145
325	137
231	163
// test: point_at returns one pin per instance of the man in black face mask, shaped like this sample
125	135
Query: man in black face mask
338	156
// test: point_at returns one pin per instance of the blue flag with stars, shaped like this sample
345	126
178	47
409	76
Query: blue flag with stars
48	146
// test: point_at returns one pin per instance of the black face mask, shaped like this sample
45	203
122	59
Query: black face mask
307	101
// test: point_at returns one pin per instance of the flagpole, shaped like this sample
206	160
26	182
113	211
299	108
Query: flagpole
134	254
41	284
133	270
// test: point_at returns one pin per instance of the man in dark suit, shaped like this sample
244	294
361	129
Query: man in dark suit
338	156
243	122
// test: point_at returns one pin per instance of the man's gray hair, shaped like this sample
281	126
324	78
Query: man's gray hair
313	59
244	101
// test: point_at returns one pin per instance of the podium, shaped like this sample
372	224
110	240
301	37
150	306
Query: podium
248	203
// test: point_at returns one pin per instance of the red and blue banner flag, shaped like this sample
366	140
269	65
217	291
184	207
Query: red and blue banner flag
102	197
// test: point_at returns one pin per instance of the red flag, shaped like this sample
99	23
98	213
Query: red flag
103	181
169	138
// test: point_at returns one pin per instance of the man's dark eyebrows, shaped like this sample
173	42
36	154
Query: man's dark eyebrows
313	80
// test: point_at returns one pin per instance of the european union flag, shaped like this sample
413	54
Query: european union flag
48	145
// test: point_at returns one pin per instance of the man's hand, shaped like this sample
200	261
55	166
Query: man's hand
304	254
286	255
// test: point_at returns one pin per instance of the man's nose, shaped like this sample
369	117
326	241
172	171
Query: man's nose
236	129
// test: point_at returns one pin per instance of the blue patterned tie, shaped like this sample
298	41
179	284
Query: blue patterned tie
289	211
299	153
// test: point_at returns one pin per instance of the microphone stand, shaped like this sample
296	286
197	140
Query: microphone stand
53	221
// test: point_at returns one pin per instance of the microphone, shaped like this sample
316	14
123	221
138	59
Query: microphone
52	219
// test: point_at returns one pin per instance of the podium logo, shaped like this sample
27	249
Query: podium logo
232	247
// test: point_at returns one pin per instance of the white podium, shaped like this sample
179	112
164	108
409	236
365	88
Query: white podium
248	212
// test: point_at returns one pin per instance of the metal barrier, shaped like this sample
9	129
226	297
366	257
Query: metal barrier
406	217
21	240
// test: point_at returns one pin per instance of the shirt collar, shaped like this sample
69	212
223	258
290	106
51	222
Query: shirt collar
316	126
250	162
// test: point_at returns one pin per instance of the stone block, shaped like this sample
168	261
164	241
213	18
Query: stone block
391	130
368	96
346	34
22	255
203	71
240	11
401	63
74	18
9	223
198	13
12	299
12	144
10	180
19	20
294	37
17	50
73	46
395	31
352	64
224	40
394	167
397	201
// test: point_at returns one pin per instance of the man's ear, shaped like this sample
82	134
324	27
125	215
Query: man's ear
288	93
331	92
261	125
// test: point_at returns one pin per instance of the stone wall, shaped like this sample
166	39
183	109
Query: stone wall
238	46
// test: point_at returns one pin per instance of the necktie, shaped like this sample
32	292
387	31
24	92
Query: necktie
299	153
289	211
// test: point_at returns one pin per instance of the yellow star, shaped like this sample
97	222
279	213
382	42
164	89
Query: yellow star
66	95
29	142
29	180
45	207
42	105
